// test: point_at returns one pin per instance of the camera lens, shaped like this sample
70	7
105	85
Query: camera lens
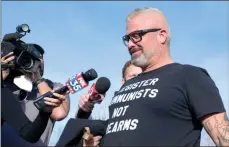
27	62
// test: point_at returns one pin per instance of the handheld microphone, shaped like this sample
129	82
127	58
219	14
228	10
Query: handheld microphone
98	90
74	84
96	95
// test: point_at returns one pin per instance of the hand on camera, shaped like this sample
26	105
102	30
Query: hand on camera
6	59
52	103
85	104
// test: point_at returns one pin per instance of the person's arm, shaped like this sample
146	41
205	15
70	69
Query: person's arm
73	131
62	110
217	126
85	107
13	115
206	105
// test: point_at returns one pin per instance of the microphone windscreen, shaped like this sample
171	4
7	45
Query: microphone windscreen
102	85
89	75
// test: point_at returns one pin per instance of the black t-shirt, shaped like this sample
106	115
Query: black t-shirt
162	107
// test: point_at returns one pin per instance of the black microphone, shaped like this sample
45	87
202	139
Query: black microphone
74	84
96	93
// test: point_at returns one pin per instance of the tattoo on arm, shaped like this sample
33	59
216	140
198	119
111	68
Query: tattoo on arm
218	128
208	126
223	130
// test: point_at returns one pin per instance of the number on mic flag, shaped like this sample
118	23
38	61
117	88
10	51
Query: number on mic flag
76	83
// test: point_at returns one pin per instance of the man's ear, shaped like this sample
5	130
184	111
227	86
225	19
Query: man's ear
123	81
163	36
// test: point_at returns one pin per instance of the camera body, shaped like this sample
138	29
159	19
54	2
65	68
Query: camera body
27	56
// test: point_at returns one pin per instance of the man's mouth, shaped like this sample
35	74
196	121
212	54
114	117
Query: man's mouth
135	51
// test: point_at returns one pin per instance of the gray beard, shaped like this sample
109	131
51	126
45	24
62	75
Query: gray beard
142	60
139	61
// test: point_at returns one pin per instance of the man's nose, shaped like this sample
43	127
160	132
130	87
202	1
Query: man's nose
131	44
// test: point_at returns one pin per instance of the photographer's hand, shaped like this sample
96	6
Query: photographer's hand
6	59
52	103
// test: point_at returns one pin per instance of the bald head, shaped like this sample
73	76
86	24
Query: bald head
149	18
147	38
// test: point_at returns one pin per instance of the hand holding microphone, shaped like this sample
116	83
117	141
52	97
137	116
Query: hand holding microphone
51	103
74	84
85	104
95	95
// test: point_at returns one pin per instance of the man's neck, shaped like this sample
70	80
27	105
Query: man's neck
159	63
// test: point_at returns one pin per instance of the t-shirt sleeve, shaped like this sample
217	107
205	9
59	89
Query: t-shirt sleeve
201	91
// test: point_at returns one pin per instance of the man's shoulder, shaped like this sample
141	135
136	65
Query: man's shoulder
192	69
57	84
53	84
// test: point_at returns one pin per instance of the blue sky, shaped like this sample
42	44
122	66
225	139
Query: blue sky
81	35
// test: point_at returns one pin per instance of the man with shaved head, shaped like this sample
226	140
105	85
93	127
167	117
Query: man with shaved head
169	103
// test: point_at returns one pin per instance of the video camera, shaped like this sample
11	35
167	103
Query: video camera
27	56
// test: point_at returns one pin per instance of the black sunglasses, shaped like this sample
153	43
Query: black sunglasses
136	36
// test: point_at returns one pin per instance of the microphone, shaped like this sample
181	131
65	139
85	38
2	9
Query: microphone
96	95
74	84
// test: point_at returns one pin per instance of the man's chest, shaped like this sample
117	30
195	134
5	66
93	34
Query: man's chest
141	101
